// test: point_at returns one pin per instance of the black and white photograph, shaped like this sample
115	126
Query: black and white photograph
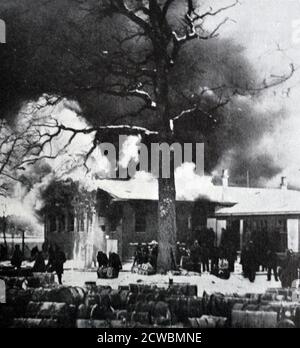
149	166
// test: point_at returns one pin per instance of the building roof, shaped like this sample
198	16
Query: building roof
260	201
148	190
235	201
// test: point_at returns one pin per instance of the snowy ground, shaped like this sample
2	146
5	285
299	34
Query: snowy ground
236	284
206	282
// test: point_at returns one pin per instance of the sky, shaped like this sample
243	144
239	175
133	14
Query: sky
269	31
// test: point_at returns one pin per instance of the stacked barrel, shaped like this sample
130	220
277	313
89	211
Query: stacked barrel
35	301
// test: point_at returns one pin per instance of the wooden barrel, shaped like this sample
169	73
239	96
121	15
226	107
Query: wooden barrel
140	317
124	294
118	324
104	290
19	299
92	324
286	324
35	323
62	294
64	313
115	300
252	319
33	282
16	282
83	312
45	279
251	307
194	307
7	314
11	272
41	295
206	322
192	290
133	288
122	315
297	317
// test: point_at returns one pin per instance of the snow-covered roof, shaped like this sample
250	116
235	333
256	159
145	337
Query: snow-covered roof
260	201
232	200
148	190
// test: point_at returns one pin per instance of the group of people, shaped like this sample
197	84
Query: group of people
106	265
56	260
146	253
286	270
206	258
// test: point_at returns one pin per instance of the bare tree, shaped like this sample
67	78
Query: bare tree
140	47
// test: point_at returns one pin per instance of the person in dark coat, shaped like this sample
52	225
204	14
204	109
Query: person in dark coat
17	258
153	256
39	261
51	259
196	256
248	261
145	254
231	256
59	260
205	257
115	263
215	255
178	253
102	259
290	269
138	255
272	263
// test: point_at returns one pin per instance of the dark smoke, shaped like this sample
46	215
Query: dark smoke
44	42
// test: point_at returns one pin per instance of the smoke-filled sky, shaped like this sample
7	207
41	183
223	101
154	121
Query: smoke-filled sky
269	30
264	139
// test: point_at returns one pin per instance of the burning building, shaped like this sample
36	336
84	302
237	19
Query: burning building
121	213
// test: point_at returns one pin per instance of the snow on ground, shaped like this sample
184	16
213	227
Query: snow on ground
206	282
237	284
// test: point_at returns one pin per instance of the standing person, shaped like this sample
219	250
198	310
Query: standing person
231	256
215	259
102	259
51	259
272	263
17	258
39	261
249	262
115	263
178	253
205	258
138	255
153	256
289	271
196	257
60	259
145	254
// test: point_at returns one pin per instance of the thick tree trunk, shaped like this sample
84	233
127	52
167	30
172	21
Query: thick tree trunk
166	186
167	222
